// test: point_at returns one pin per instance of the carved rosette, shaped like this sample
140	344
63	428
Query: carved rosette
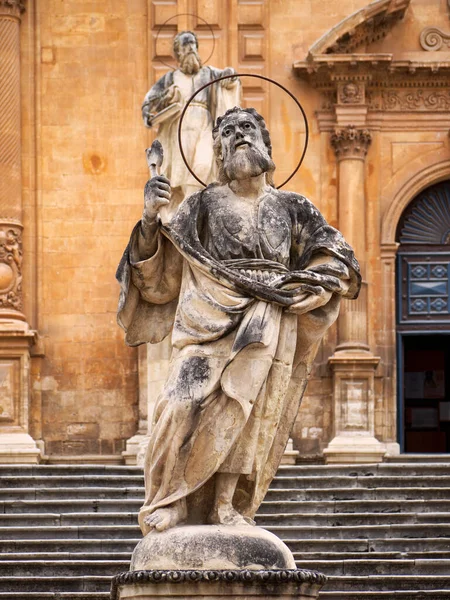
10	267
12	8
350	142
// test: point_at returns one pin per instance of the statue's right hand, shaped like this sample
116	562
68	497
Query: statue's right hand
157	193
170	95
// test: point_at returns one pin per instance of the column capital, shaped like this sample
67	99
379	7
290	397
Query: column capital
350	142
12	8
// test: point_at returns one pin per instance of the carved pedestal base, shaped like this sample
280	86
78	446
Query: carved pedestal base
213	561
16	445
354	411
215	585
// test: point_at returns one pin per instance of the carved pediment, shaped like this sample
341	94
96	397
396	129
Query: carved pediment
343	65
363	27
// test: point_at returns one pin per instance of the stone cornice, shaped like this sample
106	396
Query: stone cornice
378	70
350	142
12	8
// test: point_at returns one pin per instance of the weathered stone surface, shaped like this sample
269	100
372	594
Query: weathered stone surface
247	279
209	547
245	584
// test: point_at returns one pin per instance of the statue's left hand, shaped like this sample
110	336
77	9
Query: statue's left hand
308	302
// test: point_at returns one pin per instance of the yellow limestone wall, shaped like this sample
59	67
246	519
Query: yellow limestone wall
86	66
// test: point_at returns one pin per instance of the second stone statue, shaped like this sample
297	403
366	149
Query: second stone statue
246	279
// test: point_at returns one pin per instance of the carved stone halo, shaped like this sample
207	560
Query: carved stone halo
180	145
186	15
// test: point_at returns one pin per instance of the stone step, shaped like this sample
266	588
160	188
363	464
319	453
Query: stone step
48	583
355	493
349	506
386	583
419	458
379	567
70	532
391	595
371	470
81	556
267	520
55	596
409	530
374	544
52	470
66	493
73	506
340	481
68	519
342	519
62	568
71	481
69	545
374	556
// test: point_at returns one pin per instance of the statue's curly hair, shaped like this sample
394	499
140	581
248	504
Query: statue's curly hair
176	41
217	145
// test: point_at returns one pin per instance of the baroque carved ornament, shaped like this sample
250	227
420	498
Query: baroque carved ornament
433	38
350	142
10	266
414	100
12	8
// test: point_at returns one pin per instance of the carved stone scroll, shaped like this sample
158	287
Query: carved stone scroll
433	38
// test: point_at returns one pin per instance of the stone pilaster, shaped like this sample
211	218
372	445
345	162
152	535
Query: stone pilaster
16	445
353	364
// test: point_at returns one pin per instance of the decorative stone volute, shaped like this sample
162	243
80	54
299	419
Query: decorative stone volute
350	142
433	39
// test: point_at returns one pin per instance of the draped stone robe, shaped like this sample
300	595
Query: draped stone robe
222	279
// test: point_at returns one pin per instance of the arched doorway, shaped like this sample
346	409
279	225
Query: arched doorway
423	322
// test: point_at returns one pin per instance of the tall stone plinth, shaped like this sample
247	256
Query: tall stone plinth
354	438
16	444
214	561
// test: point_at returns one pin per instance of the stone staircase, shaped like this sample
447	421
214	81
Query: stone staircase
378	531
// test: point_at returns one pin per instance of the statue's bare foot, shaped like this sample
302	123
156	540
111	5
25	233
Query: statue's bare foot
227	515
167	517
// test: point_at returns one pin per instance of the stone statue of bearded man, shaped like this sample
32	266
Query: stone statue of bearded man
173	91
247	279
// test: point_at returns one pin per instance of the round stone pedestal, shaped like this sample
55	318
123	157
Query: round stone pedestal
210	547
215	585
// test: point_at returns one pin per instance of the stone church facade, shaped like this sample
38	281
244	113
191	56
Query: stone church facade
373	79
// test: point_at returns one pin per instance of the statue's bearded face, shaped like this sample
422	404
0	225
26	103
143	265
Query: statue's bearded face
186	53
244	152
